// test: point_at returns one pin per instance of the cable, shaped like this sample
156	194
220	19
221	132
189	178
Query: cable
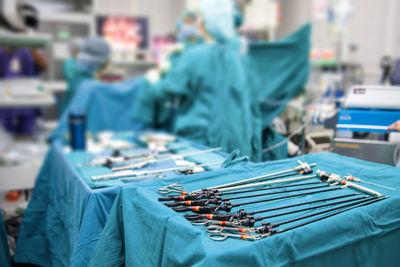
265	150
313	119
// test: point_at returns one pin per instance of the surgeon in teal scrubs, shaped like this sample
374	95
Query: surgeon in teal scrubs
211	82
162	112
92	59
70	64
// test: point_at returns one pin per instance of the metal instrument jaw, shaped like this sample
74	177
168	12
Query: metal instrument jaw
219	233
172	188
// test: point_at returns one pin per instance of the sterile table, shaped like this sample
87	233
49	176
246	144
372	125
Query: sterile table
68	211
140	231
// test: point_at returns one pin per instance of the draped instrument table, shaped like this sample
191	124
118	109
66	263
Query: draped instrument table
68	211
141	231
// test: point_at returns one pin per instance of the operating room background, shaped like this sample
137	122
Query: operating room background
371	27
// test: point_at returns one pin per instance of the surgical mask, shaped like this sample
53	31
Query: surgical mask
188	31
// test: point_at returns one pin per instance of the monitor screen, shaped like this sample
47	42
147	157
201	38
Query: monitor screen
124	33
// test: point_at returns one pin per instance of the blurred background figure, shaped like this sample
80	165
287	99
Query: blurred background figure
21	63
92	59
211	82
70	64
187	28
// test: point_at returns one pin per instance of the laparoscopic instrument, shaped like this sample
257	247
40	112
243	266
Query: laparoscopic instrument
249	220
211	204
142	163
228	206
117	157
224	204
323	176
303	168
220	233
130	174
217	199
355	179
240	214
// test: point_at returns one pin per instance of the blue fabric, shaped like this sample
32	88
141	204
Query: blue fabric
278	72
140	231
27	65
18	120
75	78
5	259
107	107
65	216
69	68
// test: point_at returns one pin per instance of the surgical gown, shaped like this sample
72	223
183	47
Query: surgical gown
278	72
69	68
214	108
164	111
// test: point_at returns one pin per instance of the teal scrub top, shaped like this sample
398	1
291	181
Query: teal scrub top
68	68
74	76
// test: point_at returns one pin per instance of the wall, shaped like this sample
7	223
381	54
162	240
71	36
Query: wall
373	28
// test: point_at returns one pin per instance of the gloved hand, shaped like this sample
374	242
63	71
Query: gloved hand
395	126
152	75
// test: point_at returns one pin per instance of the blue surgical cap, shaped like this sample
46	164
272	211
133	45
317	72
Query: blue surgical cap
93	53
187	31
181	20
217	15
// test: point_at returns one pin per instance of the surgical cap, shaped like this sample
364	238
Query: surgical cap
181	19
187	31
93	53
217	15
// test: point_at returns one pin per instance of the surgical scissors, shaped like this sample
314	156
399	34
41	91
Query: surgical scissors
172	188
221	236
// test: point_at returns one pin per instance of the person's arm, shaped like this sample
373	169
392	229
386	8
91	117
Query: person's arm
178	79
39	60
395	126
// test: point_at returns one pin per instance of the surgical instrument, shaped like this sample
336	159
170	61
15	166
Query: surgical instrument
242	213
224	188
227	206
267	229
334	178
249	220
140	174
140	164
355	179
218	200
